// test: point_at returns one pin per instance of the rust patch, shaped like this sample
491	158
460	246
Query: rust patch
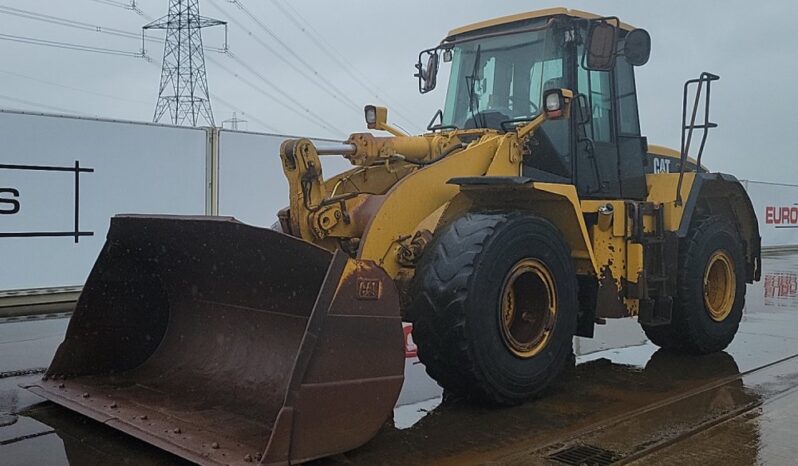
610	302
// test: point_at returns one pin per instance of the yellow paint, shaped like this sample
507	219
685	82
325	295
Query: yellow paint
527	16
720	285
507	161
299	163
416	197
662	189
663	151
634	261
618	217
381	122
523	334
614	249
579	240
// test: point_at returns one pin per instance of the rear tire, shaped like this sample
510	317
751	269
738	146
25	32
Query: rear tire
495	306
706	317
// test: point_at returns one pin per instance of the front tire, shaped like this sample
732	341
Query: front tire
495	306
711	291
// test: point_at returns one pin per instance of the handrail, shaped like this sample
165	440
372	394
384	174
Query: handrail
687	129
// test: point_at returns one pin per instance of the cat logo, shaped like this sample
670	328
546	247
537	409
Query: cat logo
368	288
662	165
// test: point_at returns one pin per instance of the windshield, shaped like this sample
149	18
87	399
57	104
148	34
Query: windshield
502	78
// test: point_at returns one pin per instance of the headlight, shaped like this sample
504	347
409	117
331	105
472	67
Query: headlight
553	102
371	116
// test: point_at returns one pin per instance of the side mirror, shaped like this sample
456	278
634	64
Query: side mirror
601	46
447	55
427	75
637	47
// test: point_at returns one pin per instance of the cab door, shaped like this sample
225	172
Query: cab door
596	143
632	147
610	152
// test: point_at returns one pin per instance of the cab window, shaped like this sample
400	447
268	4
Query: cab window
628	120
597	87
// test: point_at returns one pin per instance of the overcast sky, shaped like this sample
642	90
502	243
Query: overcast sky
752	49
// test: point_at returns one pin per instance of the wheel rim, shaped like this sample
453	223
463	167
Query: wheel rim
528	308
720	284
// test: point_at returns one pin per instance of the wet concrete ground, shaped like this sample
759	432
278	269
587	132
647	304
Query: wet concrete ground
629	404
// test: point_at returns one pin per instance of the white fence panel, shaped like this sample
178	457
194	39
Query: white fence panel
776	207
138	168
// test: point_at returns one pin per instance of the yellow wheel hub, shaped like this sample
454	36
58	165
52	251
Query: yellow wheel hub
720	285
528	308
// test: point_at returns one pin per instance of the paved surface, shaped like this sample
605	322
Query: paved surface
631	404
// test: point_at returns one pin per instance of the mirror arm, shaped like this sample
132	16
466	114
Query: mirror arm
529	128
391	129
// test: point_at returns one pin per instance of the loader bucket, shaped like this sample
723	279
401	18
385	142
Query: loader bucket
225	343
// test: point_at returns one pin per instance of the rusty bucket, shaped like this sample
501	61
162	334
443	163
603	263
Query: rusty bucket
224	343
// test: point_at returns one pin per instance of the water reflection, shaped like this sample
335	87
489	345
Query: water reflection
588	393
780	289
88	443
599	387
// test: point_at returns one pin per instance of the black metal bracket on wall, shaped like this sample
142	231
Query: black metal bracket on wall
76	232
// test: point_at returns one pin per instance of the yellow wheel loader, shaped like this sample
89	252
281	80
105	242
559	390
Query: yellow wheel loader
525	215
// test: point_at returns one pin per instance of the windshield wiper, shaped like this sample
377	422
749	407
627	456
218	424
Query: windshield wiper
471	86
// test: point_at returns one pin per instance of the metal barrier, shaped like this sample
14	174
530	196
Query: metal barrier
16	303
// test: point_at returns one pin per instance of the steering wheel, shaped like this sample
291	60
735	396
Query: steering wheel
533	107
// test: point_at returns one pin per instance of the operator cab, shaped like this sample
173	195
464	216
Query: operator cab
500	69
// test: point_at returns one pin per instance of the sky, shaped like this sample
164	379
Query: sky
304	67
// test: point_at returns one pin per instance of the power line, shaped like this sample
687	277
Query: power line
228	104
297	104
296	56
268	127
43	106
68	46
66	22
60	21
298	109
77	89
305	113
339	58
183	91
315	80
127	6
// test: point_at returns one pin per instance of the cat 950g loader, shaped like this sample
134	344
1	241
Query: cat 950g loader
523	217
